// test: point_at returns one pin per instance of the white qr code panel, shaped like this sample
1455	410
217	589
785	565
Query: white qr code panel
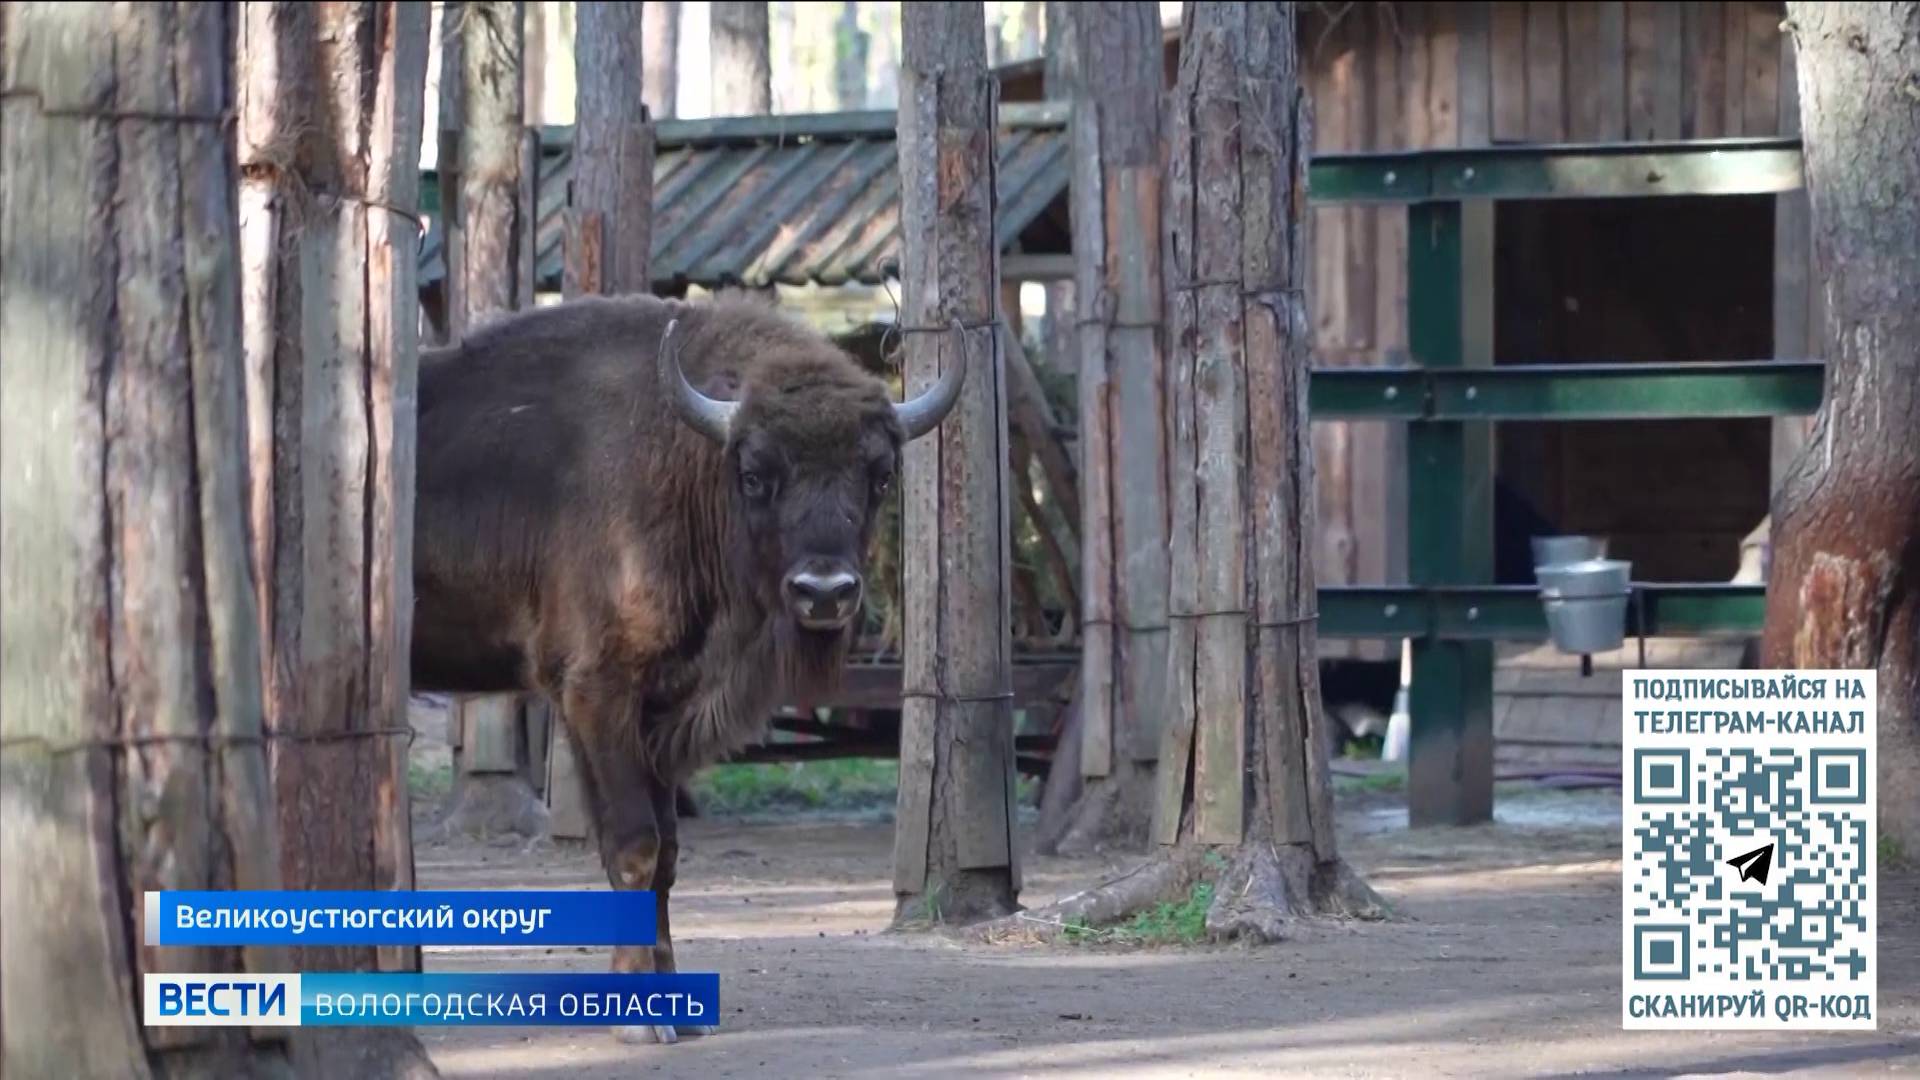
1748	850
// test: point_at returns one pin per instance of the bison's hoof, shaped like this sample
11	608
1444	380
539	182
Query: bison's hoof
661	1033
646	1033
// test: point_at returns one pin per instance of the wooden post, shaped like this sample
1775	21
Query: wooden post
954	853
1450	515
489	159
131	752
1246	720
1124	565
331	108
1844	518
609	235
1243	794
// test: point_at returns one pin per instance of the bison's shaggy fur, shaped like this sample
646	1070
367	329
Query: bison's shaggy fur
574	536
567	519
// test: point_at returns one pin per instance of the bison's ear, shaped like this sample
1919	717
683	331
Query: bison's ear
925	412
708	416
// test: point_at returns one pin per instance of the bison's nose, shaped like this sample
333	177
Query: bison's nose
824	601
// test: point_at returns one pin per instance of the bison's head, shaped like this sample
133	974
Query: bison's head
811	448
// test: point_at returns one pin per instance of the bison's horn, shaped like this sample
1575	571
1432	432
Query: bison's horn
925	412
708	416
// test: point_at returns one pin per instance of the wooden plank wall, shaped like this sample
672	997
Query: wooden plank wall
1408	75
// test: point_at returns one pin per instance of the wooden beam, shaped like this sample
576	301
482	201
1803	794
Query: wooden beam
953	844
1021	267
876	123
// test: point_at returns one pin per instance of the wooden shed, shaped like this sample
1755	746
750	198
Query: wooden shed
814	200
1573	281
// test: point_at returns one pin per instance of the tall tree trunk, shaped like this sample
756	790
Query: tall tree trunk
610	222
1061	69
884	48
487	203
1124	565
534	65
1244	800
850	59
660	67
331	108
131	752
742	68
609	231
444	83
954	856
495	250
1026	44
1841	593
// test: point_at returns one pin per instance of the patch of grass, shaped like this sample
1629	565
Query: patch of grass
845	785
1364	749
1374	783
1170	922
1893	854
1027	790
429	781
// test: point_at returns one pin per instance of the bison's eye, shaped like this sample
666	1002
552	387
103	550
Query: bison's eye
881	481
753	486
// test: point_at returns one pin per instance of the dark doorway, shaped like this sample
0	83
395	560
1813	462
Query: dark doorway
1614	280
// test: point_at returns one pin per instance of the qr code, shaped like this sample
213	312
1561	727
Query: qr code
1801	918
1748	850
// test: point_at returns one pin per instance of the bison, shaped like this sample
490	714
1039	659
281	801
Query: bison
657	514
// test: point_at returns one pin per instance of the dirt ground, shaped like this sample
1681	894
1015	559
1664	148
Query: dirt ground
1505	962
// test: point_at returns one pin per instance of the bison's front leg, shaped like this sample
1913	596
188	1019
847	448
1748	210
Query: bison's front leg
666	816
603	715
637	848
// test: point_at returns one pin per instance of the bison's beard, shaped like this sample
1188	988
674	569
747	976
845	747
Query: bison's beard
811	660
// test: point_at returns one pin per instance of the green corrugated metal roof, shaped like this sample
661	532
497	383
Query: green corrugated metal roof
788	200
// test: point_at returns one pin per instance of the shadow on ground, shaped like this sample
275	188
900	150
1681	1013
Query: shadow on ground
1505	964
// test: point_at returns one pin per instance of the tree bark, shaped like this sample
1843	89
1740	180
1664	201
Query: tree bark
742	67
1124	566
884	54
660	67
487	204
1060	69
331	108
954	853
131	752
1243	792
609	224
850	59
494	251
1026	43
1845	556
534	63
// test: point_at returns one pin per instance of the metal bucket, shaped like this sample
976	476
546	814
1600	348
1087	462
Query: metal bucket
1586	604
1561	550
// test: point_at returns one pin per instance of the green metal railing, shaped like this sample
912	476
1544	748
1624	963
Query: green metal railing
1570	391
1453	395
